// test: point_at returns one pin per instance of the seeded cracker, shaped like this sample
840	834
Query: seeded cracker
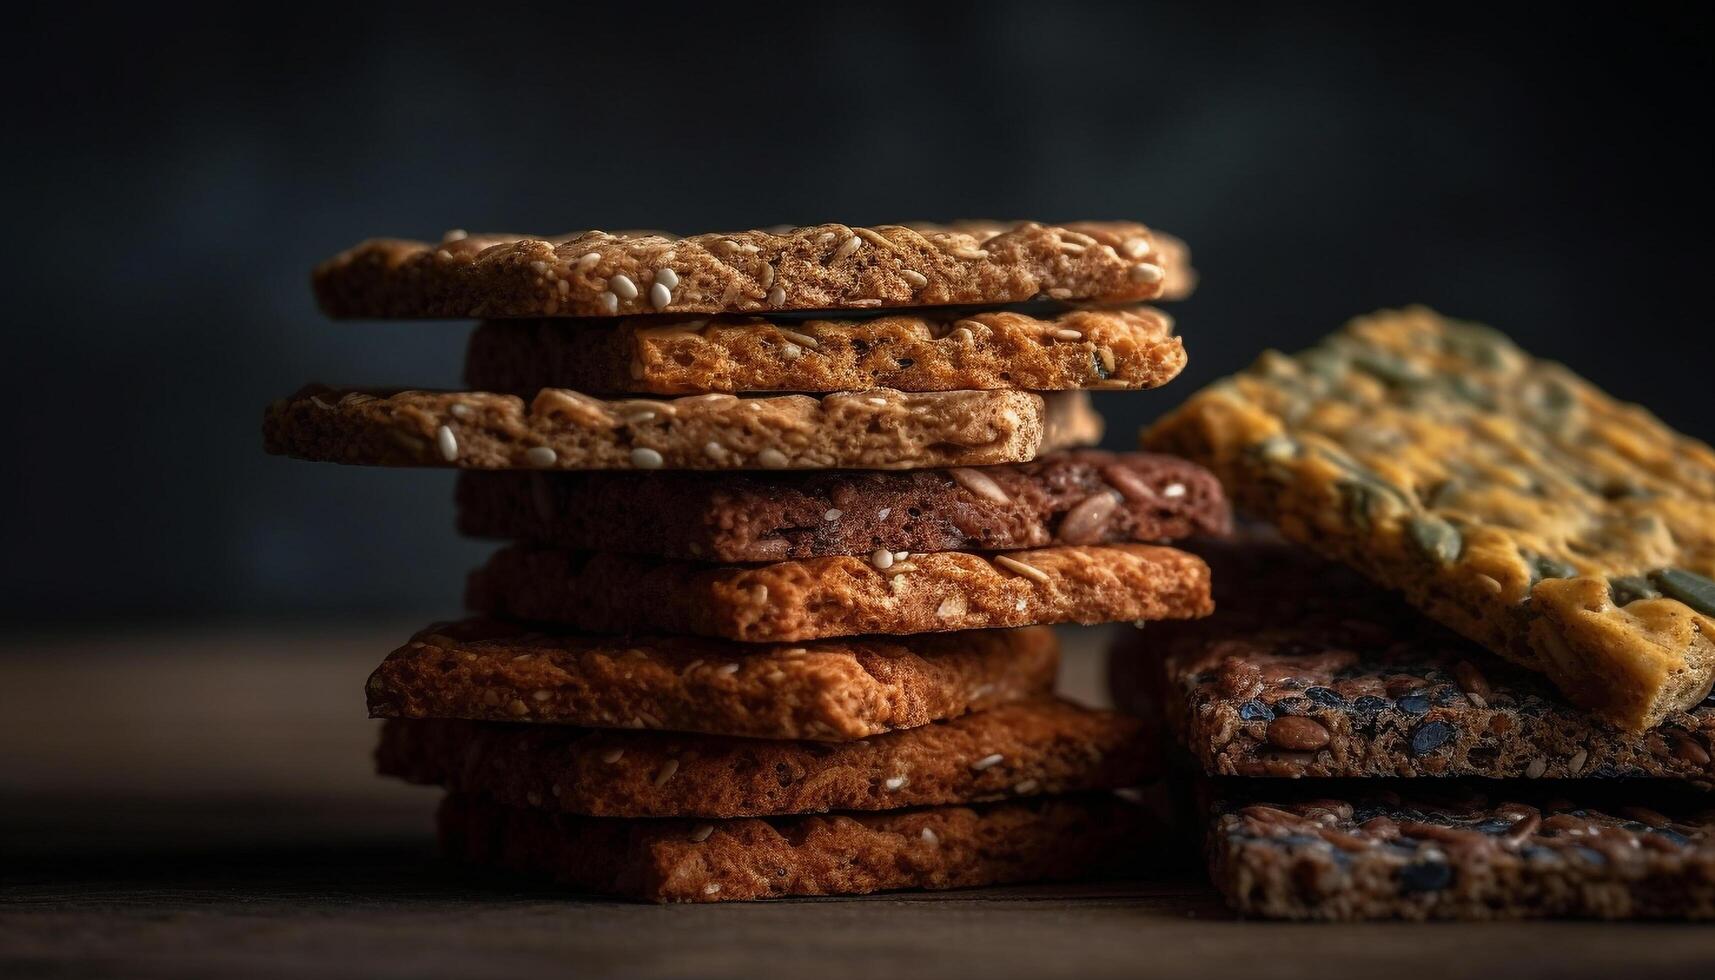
560	429
1049	838
890	593
822	267
1077	497
1506	497
1109	349
1306	670
1045	746
1423	850
844	689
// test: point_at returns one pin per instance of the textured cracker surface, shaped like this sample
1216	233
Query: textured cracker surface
821	267
846	689
1077	497
1300	652
1026	749
561	429
1057	837
1445	852
1505	496
1114	349
803	599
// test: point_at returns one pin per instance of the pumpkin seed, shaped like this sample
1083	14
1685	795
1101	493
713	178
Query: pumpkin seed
1626	589
1275	449
1688	587
1395	371
1549	567
1362	500
1437	539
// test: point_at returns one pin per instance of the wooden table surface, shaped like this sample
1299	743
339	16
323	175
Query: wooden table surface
199	803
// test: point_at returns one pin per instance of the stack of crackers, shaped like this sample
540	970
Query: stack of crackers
789	512
1529	730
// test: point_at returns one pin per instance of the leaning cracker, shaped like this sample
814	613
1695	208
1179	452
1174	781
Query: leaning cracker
561	429
845	689
1445	852
1030	748
1110	349
1506	497
821	267
843	595
1306	670
1060	837
1078	497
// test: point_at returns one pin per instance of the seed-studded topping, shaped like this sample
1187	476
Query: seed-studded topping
588	261
895	783
668	278
612	755
917	279
645	458
609	303
987	762
930	837
772	458
832	514
882	559
801	339
1085	523
667	771
777	296
1064	333
458	410
1031	572
540	456
1297	733
702	832
1173	490
847	247
1145	272
1136	248
979	483
727	670
447	443
712	888
660	296
622	286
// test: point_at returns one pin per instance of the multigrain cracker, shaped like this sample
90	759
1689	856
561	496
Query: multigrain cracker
833	690
1505	496
1077	497
1113	349
801	599
821	267
561	429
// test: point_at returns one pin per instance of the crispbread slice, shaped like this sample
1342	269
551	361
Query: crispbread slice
1055	837
921	351
1078	497
1028	748
822	267
833	690
842	595
561	429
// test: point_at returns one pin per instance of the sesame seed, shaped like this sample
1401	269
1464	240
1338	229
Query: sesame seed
667	771
776	296
901	555
459	410
847	247
987	762
702	833
802	339
713	449
622	286
587	261
727	670
970	253
833	514
1031	572
609	302
917	279
894	782
668	278
712	888
1173	490
877	401
881	515
1144	272
1067	334
612	755
645	458
772	458
1072	247
540	456
1136	248
455	235
660	296
882	559
1025	787
929	837
448	443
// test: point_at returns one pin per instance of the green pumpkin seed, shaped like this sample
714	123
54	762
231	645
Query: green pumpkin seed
1543	567
1275	449
1395	371
1438	540
1626	589
1688	587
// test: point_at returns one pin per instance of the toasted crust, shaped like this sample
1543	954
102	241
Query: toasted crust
1422	851
560	429
1306	670
1115	349
807	599
822	267
1059	837
1506	497
1026	749
491	671
1079	497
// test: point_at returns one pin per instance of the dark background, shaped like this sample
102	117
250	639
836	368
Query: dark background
173	176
